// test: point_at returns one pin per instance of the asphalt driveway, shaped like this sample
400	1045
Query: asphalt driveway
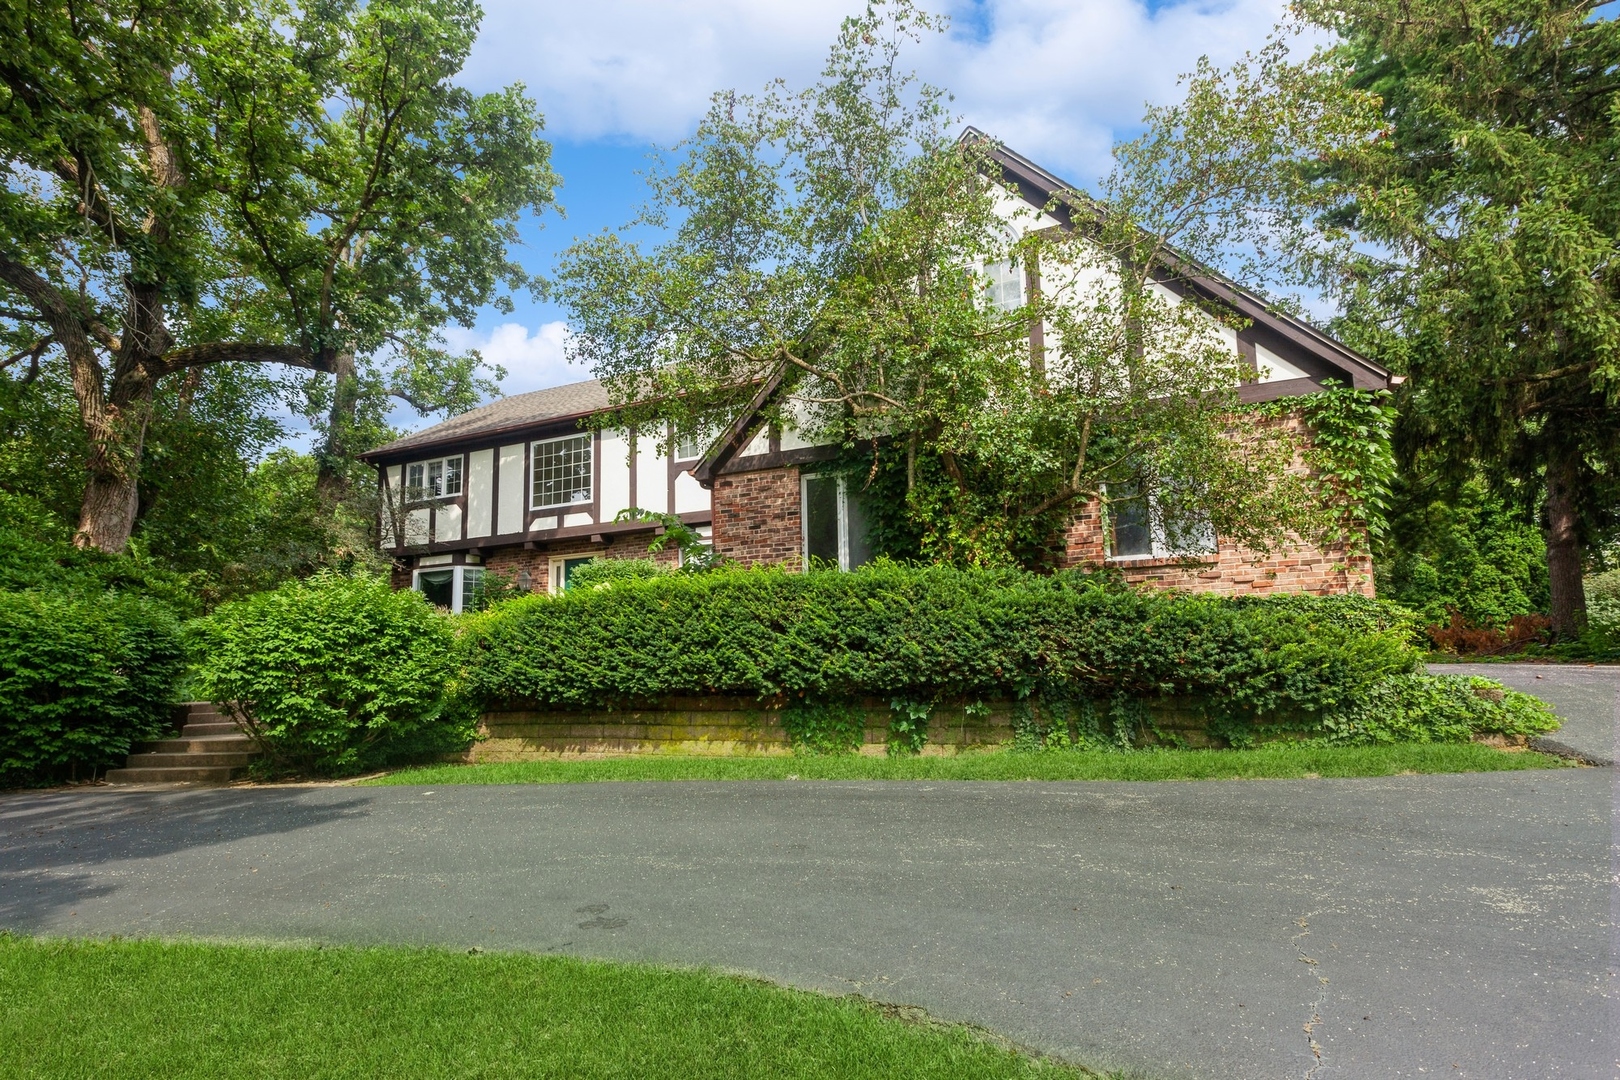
1454	926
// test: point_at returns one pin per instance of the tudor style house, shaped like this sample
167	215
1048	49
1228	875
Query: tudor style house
528	487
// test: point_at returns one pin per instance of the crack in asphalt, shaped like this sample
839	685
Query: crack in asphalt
1315	1021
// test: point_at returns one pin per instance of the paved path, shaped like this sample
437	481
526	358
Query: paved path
1454	926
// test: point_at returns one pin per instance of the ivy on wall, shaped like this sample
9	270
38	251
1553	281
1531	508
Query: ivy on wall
1350	456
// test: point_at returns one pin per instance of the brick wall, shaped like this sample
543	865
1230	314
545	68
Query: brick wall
756	516
1232	569
511	561
1298	568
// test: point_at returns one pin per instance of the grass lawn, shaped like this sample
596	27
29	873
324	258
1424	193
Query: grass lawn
1276	762
75	1008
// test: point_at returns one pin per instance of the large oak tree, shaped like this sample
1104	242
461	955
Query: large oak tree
194	184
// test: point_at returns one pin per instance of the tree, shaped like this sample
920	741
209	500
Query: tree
841	237
192	185
1471	241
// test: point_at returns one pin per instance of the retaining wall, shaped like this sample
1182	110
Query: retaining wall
721	725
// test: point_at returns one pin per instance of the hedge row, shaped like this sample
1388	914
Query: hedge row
929	634
81	678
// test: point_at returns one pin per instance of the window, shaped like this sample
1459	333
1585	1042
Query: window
692	444
833	523
561	471
1005	285
454	588
434	479
1146	526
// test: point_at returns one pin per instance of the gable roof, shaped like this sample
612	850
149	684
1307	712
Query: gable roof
572	401
1041	190
1044	191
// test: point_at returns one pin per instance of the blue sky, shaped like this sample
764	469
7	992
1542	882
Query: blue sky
1058	80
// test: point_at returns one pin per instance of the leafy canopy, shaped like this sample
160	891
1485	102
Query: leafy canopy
844	236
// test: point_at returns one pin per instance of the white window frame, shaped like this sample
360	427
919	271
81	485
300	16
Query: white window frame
590	480
700	442
989	266
554	576
1160	549
420	493
843	518
458	583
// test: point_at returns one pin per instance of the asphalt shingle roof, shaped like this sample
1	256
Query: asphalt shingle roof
507	412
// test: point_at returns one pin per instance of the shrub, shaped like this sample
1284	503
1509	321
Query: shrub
1603	607
1438	708
925	635
336	674
1470	553
608	571
81	678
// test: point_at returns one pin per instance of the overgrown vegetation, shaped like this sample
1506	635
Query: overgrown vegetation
190	1009
336	674
928	634
1078	655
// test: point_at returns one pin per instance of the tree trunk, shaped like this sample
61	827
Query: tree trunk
117	433
332	468
1564	543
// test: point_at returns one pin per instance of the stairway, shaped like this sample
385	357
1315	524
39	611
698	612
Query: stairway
210	749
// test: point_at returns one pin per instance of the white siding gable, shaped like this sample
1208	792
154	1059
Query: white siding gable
615	469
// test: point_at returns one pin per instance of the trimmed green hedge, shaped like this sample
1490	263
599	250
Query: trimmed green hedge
81	678
930	634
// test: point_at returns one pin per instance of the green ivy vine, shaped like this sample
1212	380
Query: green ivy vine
1352	462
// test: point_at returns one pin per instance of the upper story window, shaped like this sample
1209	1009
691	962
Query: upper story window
561	472
1004	285
434	479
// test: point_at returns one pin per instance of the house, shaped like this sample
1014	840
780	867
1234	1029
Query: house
529	487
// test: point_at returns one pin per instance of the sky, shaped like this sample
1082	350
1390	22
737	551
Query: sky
1057	80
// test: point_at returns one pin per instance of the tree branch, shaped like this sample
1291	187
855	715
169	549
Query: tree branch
242	352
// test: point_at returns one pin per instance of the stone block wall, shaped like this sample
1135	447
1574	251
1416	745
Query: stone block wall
717	725
725	726
756	517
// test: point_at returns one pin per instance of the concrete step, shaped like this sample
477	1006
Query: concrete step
206	744
215	774
188	760
203	730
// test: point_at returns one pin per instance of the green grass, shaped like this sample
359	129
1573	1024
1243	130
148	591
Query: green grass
76	1008
1277	762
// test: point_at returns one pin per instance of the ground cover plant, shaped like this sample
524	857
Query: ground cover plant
1287	761
335	674
1077	653
189	1009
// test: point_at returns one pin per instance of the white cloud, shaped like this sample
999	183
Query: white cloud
533	361
1055	79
